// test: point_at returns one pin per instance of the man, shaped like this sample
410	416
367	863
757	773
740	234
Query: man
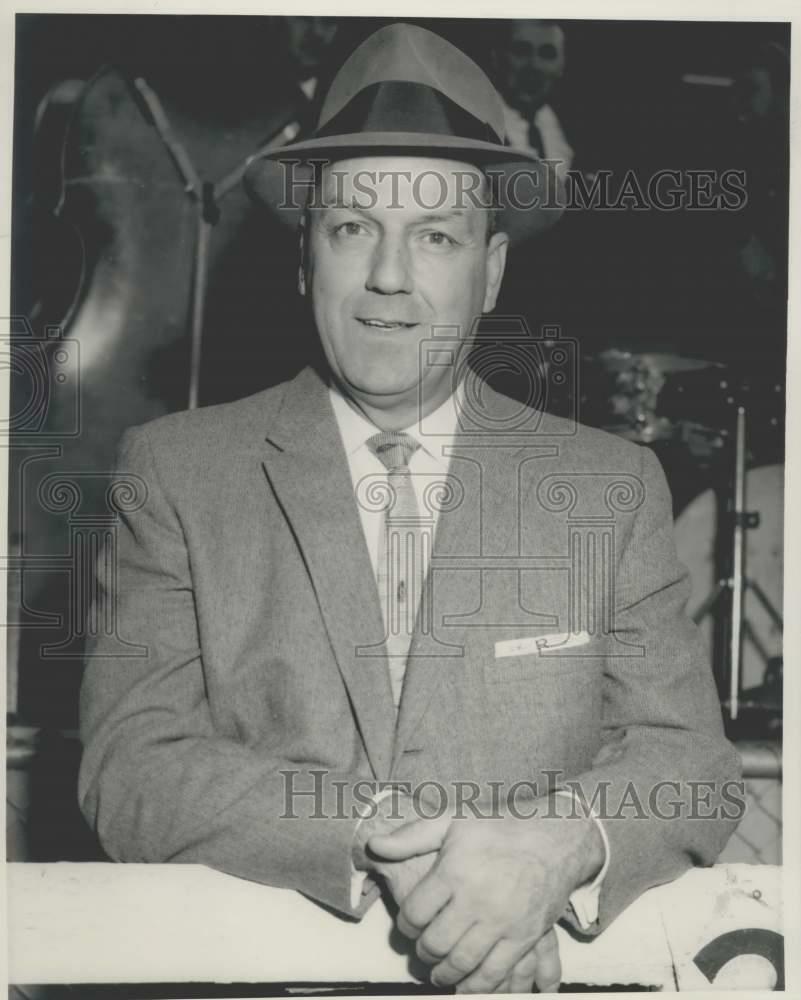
530	61
305	645
308	41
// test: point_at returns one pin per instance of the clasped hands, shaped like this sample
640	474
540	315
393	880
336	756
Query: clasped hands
480	896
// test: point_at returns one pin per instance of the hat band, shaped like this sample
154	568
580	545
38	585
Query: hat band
402	106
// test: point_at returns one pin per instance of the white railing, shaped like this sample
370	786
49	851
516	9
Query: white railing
104	923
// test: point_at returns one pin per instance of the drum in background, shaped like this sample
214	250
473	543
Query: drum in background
685	409
658	398
697	540
625	392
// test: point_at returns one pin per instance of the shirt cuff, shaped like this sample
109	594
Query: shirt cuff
584	900
358	878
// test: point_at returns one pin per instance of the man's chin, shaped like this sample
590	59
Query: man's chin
382	392
529	104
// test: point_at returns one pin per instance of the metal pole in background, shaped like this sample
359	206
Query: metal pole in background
738	567
199	280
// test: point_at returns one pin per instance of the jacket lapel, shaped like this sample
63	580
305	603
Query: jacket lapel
431	655
307	468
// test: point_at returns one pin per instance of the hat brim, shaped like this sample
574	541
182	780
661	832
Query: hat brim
529	189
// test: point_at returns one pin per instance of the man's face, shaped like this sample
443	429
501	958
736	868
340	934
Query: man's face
308	39
530	62
395	254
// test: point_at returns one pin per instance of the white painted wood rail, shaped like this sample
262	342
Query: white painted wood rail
90	923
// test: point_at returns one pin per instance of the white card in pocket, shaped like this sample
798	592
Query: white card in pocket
540	643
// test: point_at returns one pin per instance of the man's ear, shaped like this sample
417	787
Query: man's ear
496	265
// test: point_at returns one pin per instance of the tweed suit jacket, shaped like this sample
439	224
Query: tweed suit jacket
246	578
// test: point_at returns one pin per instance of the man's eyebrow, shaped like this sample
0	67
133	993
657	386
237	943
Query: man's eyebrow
345	204
448	216
424	218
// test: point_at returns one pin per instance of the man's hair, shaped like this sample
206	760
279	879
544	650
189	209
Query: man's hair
501	30
494	209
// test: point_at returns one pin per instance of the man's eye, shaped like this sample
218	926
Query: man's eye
438	239
350	229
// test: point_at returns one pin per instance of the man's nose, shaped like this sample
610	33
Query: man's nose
390	268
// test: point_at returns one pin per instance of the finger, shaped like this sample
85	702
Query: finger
465	957
443	933
521	978
419	837
422	904
403	876
514	985
496	966
548	973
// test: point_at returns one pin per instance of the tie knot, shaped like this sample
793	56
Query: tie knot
393	448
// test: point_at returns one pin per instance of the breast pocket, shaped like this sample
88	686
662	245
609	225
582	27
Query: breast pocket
530	657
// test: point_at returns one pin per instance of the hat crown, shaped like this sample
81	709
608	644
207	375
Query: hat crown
411	54
407	92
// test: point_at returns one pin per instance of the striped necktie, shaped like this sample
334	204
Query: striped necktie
400	575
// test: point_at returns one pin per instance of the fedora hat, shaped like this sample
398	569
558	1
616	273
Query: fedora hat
407	91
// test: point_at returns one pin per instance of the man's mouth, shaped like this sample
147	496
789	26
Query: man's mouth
384	324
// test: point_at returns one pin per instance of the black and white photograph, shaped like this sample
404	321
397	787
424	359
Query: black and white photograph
396	449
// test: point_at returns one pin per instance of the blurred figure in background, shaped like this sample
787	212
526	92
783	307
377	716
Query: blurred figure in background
528	64
529	58
760	98
308	42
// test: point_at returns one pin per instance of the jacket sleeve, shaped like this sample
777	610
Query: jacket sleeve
158	781
664	780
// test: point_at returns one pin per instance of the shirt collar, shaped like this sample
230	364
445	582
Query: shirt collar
434	432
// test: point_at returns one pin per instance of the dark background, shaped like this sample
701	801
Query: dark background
648	276
642	281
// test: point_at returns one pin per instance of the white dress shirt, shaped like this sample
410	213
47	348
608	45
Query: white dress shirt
550	128
436	434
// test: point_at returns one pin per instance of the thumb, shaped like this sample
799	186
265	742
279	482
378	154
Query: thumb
418	837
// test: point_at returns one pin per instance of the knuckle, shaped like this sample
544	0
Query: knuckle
432	943
446	975
484	983
406	928
467	957
424	954
472	984
495	968
462	960
410	913
470	988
